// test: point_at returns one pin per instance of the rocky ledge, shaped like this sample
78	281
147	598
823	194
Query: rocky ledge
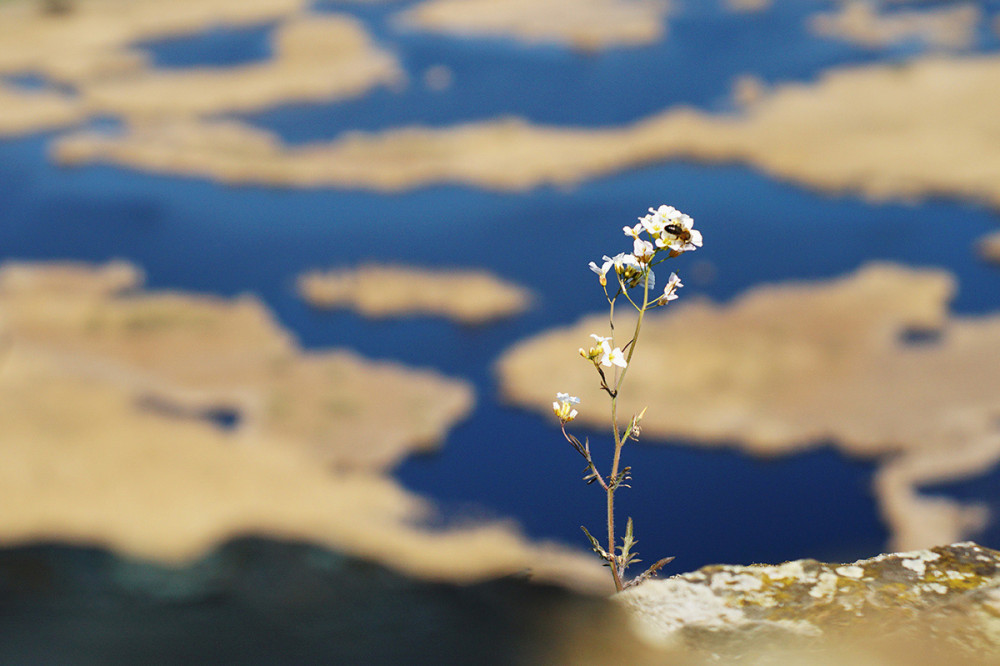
914	607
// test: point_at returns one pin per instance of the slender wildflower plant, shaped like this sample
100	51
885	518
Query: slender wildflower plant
668	234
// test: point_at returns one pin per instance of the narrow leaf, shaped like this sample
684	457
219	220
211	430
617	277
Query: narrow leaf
594	544
650	572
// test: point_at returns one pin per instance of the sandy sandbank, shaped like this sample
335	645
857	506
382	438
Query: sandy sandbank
27	111
107	395
315	59
466	296
748	5
587	25
787	367
93	40
183	354
859	22
989	247
91	50
867	130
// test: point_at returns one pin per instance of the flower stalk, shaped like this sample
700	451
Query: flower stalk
670	233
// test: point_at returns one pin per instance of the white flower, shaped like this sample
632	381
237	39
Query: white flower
652	224
603	353
678	235
658	219
563	407
643	251
594	354
670	291
624	263
666	214
602	270
613	357
633	232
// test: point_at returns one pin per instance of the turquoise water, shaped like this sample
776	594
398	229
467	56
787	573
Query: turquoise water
703	506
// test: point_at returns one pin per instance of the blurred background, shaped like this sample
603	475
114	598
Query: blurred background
171	174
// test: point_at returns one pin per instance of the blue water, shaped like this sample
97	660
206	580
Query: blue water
216	47
983	488
703	506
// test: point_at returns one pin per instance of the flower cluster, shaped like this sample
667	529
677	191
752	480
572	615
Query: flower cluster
603	354
563	407
668	230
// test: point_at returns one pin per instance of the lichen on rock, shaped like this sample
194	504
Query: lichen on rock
941	599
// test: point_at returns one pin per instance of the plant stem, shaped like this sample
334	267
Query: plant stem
619	586
611	497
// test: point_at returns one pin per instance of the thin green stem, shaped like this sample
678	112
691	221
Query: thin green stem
619	586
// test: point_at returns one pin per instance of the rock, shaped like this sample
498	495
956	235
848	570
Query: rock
919	604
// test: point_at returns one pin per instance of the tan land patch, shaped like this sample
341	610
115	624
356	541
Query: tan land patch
587	25
315	59
26	111
868	130
748	5
92	40
467	296
106	396
787	367
861	23
989	247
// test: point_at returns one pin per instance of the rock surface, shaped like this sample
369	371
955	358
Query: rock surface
916	605
257	600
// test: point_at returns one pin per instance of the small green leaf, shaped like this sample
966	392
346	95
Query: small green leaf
595	545
650	572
